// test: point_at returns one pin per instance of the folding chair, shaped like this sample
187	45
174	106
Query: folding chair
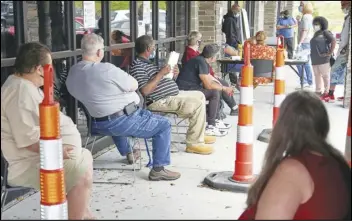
5	188
94	135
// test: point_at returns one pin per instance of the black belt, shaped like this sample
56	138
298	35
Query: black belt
149	102
117	114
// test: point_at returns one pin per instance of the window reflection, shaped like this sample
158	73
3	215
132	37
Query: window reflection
144	15
164	51
120	33
164	18
181	18
8	41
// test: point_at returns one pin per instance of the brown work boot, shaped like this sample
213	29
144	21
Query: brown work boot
137	155
200	149
209	139
164	174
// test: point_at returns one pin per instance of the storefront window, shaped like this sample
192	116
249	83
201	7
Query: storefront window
144	18
163	50
8	40
120	33
45	23
164	19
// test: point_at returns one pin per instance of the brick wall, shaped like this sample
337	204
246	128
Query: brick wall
270	8
210	15
347	91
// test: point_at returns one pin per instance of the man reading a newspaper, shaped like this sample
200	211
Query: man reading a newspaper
162	95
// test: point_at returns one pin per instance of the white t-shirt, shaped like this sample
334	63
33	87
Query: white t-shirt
306	24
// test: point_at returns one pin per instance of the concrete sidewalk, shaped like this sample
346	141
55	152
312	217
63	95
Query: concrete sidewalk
185	198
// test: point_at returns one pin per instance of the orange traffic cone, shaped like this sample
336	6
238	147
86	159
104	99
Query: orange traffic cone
52	184
244	145
279	91
348	139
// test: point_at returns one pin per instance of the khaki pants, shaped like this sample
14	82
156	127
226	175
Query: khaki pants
187	104
74	169
322	77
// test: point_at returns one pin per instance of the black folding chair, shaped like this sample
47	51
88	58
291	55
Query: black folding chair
262	68
95	135
5	188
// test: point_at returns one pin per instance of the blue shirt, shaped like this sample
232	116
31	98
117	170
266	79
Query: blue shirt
286	32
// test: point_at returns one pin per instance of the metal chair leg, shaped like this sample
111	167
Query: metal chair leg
133	164
91	149
3	200
87	140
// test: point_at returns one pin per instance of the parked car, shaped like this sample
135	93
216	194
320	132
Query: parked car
124	26
119	15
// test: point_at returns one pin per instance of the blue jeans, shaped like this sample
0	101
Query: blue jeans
140	124
308	77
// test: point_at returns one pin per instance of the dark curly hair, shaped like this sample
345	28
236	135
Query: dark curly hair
322	21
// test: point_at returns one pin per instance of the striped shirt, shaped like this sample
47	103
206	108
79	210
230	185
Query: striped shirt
143	71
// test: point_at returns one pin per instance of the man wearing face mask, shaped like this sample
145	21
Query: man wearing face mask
109	95
338	70
285	27
163	95
231	26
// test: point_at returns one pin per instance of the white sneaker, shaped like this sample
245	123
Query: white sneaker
304	86
213	131
221	125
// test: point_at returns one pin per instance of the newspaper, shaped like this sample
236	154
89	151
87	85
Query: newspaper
173	60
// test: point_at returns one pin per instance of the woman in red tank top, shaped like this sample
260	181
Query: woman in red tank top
303	177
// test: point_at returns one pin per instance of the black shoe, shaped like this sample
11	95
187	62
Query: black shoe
234	112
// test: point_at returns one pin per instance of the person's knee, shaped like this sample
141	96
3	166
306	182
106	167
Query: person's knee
86	180
165	124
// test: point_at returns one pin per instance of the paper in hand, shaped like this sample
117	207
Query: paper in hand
173	60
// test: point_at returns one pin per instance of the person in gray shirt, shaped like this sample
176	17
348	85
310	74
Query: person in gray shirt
109	95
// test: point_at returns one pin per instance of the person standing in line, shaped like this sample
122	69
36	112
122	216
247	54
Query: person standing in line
231	26
285	27
278	32
305	34
339	69
322	46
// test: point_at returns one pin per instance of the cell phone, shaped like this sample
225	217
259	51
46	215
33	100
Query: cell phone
130	109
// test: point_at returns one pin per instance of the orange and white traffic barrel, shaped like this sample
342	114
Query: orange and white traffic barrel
348	140
52	182
279	85
244	145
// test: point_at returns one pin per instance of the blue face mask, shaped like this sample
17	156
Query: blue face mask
152	55
300	8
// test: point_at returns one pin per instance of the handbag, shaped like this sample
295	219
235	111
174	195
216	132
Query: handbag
332	60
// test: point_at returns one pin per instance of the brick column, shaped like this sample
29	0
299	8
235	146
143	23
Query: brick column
194	15
210	16
270	8
347	91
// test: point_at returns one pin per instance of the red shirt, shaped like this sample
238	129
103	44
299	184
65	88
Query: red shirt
330	197
191	53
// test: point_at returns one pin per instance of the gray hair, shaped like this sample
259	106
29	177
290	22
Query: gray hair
210	50
91	43
194	37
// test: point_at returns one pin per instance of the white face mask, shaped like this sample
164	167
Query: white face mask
345	11
316	27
